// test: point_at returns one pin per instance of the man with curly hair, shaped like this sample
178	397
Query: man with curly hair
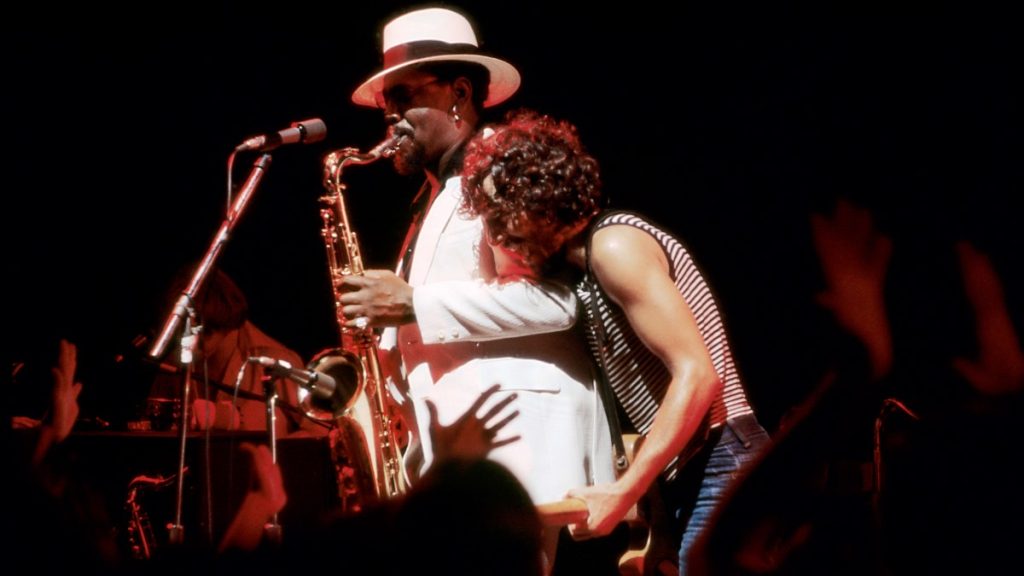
651	322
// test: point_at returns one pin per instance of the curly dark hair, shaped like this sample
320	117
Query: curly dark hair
539	170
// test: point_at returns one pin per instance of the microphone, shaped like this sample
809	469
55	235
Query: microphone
319	384
306	131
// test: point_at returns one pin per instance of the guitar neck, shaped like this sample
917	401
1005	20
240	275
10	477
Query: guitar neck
573	510
563	512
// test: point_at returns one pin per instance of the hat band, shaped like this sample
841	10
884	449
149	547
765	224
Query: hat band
423	49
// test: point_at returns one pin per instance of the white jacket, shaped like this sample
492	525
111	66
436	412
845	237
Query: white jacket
474	330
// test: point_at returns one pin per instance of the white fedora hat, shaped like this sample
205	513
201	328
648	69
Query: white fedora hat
435	35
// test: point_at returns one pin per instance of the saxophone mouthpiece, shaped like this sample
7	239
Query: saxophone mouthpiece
388	147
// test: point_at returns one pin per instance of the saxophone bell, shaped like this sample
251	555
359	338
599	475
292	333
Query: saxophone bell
348	373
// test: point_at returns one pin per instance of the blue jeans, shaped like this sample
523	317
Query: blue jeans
696	492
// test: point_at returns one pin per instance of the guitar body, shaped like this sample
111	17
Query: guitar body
653	548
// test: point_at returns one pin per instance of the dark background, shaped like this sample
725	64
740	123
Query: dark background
728	121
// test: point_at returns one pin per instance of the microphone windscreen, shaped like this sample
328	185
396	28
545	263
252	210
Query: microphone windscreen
314	129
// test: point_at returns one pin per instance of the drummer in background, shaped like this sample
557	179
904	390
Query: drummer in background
226	341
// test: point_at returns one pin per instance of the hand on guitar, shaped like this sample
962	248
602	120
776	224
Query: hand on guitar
608	504
606	507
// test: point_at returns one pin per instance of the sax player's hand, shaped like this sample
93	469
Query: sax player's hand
379	296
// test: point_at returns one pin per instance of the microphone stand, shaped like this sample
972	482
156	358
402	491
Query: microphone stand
272	529
176	531
182	313
219	240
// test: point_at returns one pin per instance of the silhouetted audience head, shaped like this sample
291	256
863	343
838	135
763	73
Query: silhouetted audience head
469	517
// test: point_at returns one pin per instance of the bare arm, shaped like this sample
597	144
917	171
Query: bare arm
999	368
266	498
854	258
633	270
64	402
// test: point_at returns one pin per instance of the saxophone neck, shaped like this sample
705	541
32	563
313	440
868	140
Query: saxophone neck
385	149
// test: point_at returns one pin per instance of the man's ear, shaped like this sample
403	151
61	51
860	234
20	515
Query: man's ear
463	89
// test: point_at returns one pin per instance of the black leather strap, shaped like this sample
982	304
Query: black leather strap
603	386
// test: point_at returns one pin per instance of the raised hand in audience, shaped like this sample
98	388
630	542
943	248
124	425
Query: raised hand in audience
264	499
999	368
854	259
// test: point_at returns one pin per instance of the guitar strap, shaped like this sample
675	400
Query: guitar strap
608	398
603	386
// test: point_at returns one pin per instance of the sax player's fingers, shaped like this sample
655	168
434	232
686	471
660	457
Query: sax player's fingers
352	310
374	273
352	282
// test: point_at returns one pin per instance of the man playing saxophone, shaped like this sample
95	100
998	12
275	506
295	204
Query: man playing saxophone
456	325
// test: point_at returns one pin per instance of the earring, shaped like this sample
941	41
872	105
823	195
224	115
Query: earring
456	118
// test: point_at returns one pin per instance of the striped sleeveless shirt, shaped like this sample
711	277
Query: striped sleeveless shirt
637	377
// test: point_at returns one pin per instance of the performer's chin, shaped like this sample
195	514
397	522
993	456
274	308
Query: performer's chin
408	161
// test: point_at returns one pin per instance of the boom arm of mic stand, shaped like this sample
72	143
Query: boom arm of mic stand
219	240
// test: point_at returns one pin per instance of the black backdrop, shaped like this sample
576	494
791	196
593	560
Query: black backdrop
727	121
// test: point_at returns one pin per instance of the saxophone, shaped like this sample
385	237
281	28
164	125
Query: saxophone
366	449
140	536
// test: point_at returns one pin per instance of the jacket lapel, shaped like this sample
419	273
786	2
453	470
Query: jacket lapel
437	218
